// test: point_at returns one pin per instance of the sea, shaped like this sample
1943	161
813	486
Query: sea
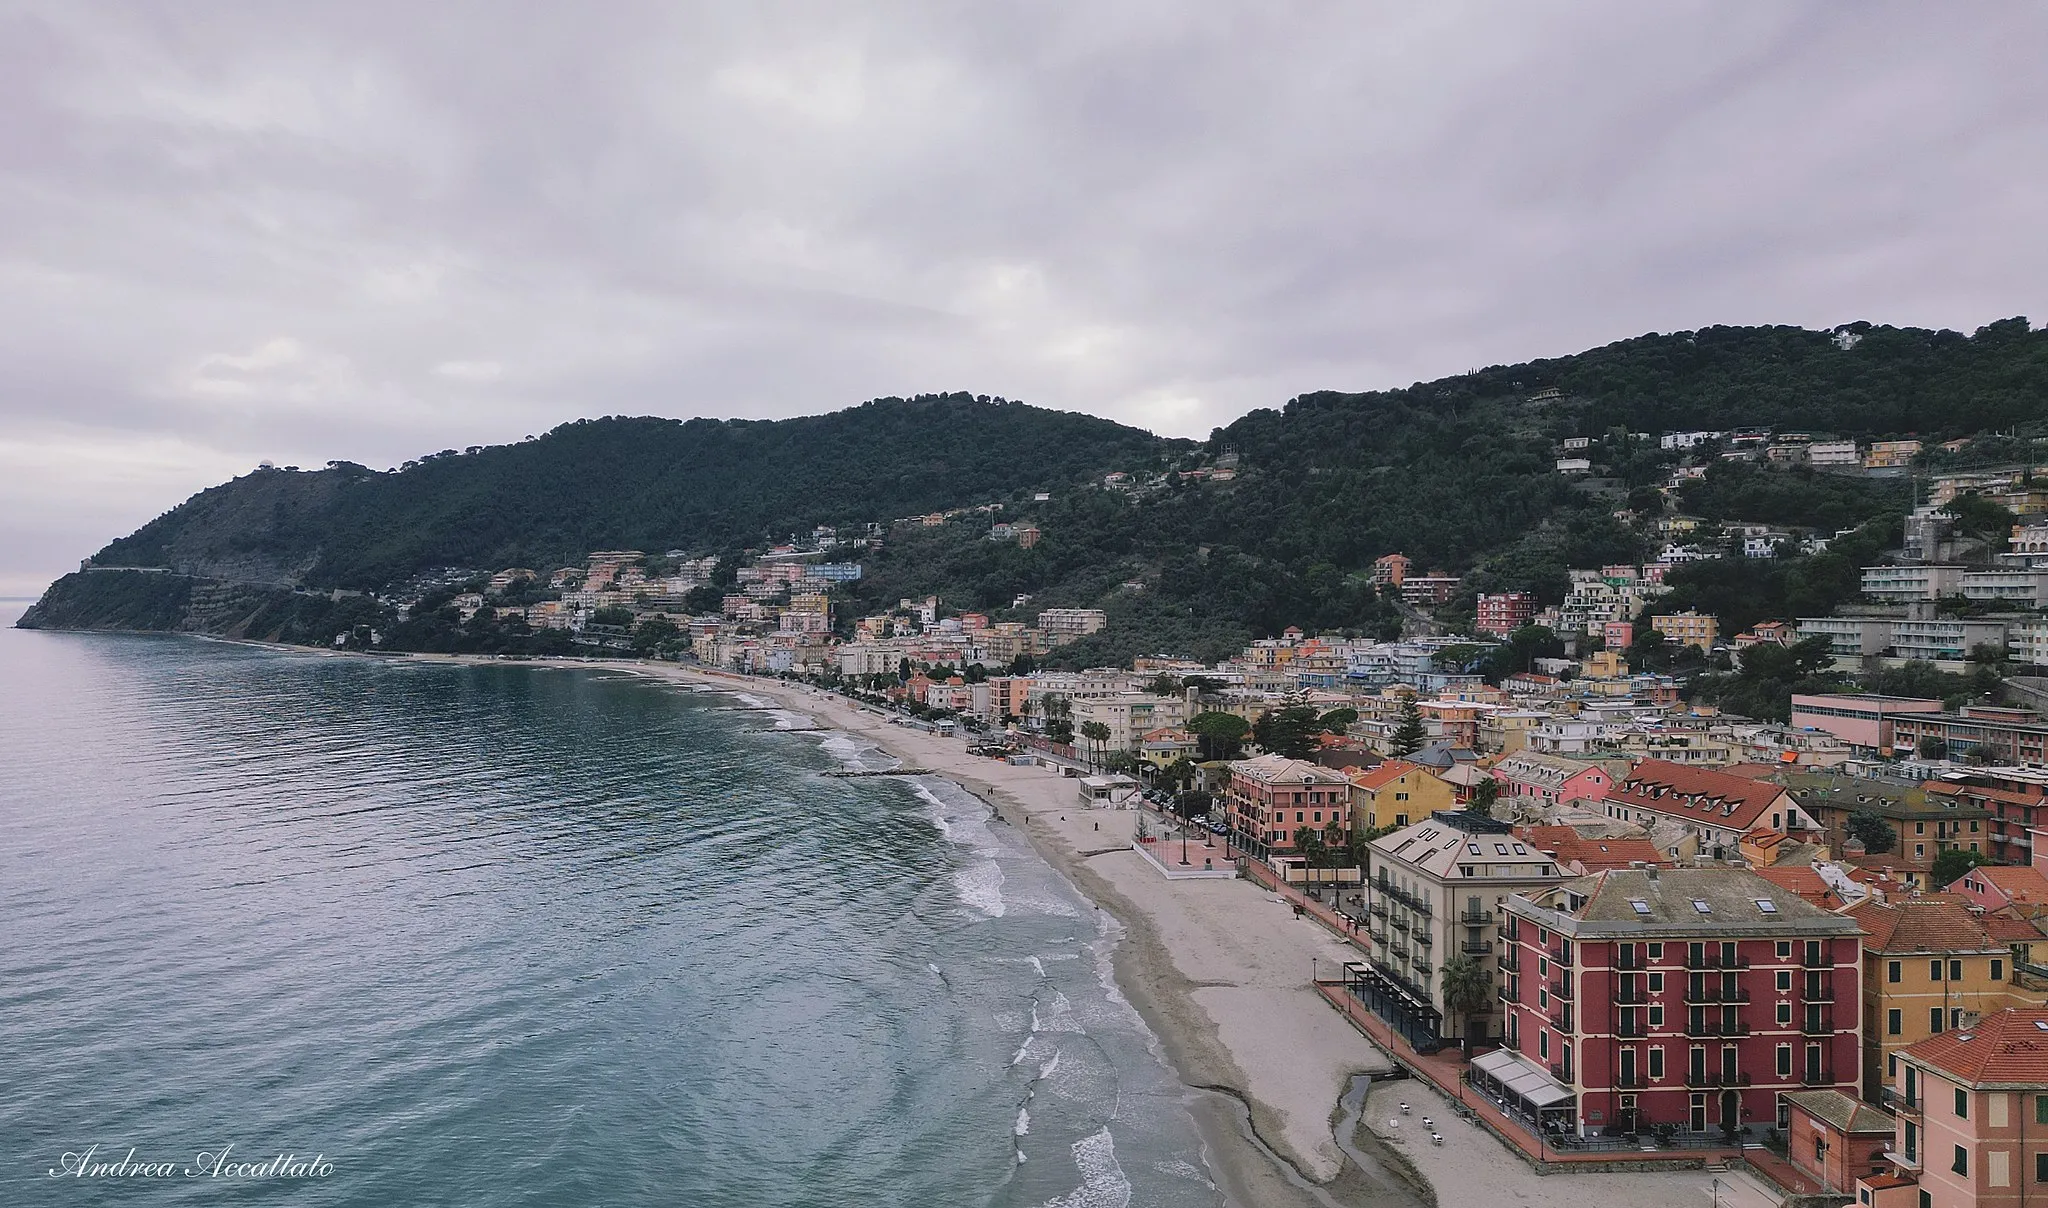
294	928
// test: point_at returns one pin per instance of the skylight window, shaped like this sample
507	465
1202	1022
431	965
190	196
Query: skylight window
1520	850
1641	907
1702	905
1474	849
1767	906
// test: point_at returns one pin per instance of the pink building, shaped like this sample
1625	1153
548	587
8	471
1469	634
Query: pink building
1502	613
1836	1139
1972	1118
1537	780
1862	721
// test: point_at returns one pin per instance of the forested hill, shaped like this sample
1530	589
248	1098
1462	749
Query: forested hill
1459	474
630	483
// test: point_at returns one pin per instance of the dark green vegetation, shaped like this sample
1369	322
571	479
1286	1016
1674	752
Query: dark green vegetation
1456	473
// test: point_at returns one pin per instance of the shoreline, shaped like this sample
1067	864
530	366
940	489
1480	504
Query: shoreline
1258	1152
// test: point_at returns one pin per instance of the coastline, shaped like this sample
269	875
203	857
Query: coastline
1219	970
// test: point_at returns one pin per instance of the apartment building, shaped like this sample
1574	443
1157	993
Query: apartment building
1861	720
1890	454
1537	785
1971	1111
1923	825
1129	715
1268	798
1063	625
1688	629
2015	736
1716	808
1687	997
1909	581
1434	890
1501	613
1396	792
1931	965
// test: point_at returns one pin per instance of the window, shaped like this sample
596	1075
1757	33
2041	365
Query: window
1962	1104
1784	1012
1543	1045
1894	1023
1656	983
1955	970
2041	1109
1891	971
1997	969
1934	1019
1961	1163
1319	815
1784	946
1933	970
1656	1017
1641	907
1656	951
1474	849
1766	905
1657	1065
1784	981
1702	905
1500	849
2041	1168
1919	828
1784	1061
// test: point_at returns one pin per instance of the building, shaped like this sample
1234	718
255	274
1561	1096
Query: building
1129	716
1715	808
1946	640
1580	851
1427	591
1861	720
1832	453
1890	454
1396	791
1534	784
1971	1107
1063	625
1688	629
1922	825
1909	581
2011	736
1388	570
1834	1139
1434	889
1930	966
1682	997
1850	638
1269	798
1500	614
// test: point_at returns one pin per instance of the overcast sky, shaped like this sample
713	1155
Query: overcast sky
368	230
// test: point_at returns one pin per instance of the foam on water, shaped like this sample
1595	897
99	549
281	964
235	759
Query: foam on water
980	887
1103	1183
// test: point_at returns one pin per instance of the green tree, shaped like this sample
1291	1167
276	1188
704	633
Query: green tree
1933	747
621	618
1221	735
1059	717
1872	829
1952	863
1097	734
1194	803
1467	987
1484	795
654	633
1289	731
1336	721
1408	735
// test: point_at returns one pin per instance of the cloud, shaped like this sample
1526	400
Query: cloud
232	230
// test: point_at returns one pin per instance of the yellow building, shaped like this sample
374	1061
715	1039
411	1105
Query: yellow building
1929	966
1397	793
1603	664
1688	629
1890	454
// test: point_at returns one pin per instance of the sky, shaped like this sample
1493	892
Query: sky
370	230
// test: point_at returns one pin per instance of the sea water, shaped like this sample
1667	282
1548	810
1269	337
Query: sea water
291	928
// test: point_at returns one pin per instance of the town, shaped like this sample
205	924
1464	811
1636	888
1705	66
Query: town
1616	924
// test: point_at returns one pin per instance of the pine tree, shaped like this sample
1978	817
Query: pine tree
1409	734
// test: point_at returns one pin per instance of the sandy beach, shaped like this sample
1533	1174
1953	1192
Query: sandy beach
1223	973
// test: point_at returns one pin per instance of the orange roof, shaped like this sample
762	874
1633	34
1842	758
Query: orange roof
2010	926
1385	774
1696	794
1939	924
2019	882
1592	855
2009	1048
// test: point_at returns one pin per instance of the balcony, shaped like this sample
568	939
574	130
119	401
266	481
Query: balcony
1424	938
1378	908
1710	1028
1809	961
1628	962
1629	994
1476	947
1560	987
1714	994
1824	1026
1510	961
1400	922
1423	967
1824	993
1713	960
1503	993
1630	1031
1896	1103
1475	918
1561	1016
1629	1082
1714	1079
1817	1078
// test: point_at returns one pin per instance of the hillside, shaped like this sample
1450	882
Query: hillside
1456	473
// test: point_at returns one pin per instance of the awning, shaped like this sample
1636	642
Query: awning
1521	1078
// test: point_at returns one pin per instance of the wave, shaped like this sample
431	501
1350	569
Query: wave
1103	1183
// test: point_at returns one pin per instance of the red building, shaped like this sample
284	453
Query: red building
1503	613
2016	798
1835	1139
1684	997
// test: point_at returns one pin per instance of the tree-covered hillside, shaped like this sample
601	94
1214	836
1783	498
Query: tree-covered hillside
1459	474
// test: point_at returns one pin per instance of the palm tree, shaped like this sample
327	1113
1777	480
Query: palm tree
1096	733
1467	989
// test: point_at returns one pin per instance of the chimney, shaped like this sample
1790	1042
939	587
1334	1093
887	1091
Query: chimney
1651	871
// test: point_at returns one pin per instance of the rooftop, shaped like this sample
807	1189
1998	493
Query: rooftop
1591	854
2007	1050
1844	1112
1705	902
1696	793
1922	925
1279	769
1439	844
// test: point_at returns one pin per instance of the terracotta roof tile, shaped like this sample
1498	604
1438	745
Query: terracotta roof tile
1922	925
1696	794
2007	1049
1591	854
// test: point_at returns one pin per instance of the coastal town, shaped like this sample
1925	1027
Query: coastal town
1617	929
